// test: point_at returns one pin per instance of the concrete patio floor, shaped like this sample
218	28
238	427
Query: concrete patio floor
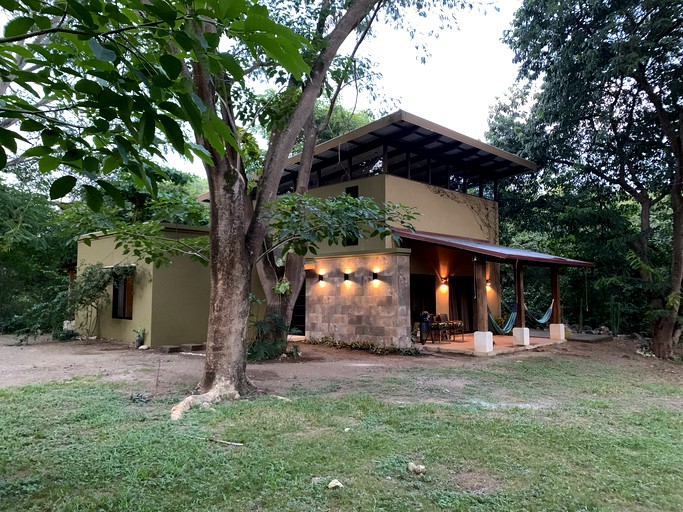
501	344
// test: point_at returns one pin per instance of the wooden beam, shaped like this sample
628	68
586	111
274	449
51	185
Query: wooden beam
519	295
481	306
385	159
556	317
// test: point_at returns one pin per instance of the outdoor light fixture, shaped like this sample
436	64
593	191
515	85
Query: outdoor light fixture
346	276
321	278
488	283
374	276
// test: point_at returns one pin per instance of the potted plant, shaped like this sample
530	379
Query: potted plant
139	336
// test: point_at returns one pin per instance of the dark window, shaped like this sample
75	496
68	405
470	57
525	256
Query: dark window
123	298
353	192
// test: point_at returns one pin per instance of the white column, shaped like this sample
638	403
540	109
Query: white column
483	342
520	336
557	332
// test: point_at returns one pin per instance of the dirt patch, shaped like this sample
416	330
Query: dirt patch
476	482
332	369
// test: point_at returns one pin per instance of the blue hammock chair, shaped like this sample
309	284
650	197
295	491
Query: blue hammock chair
509	324
546	316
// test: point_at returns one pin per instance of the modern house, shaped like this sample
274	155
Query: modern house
372	290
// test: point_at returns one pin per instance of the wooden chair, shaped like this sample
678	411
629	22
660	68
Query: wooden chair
452	327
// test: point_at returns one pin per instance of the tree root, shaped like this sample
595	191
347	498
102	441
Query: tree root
221	390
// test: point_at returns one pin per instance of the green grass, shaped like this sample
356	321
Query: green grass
544	434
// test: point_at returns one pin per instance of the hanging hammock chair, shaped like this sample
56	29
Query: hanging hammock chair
508	326
546	316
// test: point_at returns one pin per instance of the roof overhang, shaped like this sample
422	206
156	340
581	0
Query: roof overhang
410	146
492	252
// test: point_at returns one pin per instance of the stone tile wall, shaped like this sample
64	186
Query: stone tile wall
360	309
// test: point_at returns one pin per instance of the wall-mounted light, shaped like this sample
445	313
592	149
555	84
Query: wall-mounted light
321	278
488	283
375	277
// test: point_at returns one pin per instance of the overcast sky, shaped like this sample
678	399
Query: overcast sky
468	68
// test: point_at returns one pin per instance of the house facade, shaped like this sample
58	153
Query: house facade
369	290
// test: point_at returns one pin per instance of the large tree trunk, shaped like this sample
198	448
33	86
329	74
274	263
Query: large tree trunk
665	329
238	231
226	344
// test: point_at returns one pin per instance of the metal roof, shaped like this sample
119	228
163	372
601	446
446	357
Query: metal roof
406	145
494	252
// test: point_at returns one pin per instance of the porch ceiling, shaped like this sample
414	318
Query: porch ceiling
413	148
493	252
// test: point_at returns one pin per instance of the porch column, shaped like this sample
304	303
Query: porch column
555	290
520	321
480	307
556	325
483	338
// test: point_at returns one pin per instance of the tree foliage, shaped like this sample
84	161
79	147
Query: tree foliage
609	103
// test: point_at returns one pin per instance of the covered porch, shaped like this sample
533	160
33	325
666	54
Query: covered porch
473	265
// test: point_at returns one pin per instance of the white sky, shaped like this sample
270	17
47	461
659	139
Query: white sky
468	68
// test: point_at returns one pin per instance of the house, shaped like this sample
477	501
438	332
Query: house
372	290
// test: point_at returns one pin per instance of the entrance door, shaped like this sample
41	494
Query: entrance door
422	295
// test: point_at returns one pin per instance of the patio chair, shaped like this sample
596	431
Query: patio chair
453	327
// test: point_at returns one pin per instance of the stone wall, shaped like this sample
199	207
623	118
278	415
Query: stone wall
360	309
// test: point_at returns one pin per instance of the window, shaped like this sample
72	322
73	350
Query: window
123	298
353	192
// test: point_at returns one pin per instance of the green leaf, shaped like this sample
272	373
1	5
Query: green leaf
91	164
48	163
8	139
112	192
37	151
101	52
31	125
93	198
18	26
62	186
3	158
172	66
88	87
50	137
165	11
146	129
232	66
10	5
173	133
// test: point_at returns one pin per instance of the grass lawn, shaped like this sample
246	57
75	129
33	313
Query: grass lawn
546	433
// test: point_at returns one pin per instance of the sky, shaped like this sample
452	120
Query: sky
468	69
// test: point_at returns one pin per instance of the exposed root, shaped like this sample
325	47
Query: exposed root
221	390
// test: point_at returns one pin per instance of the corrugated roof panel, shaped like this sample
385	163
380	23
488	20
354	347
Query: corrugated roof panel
493	251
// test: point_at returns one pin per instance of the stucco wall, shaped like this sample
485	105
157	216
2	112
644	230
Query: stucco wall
103	251
374	187
446	211
180	305
360	309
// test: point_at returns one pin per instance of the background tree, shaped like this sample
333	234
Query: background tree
612	73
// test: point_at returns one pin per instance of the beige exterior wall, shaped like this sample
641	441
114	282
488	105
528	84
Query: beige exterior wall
103	250
180	305
374	187
446	211
171	302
